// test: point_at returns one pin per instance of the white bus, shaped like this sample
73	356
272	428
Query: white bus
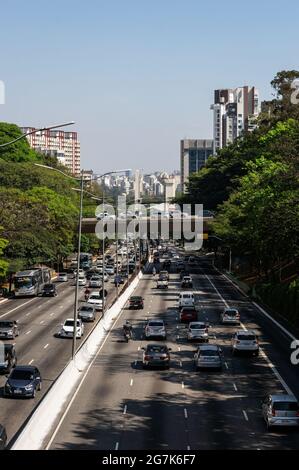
31	281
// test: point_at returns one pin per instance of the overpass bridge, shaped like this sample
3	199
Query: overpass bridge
151	227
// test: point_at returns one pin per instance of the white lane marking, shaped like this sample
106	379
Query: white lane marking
116	446
264	355
19	306
29	363
235	386
41	322
138	348
131	383
46	345
179	348
183	385
61	306
226	365
125	410
27	333
52	314
185	413
223	300
245	415
27	314
181	364
275	372
274	321
136	363
188	448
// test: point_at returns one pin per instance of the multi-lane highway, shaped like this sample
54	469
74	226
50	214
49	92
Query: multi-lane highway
121	406
40	319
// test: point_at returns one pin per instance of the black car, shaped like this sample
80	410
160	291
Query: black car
8	358
3	437
136	302
49	290
23	381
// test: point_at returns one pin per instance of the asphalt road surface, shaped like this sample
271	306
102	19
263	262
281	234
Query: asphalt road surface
40	319
121	406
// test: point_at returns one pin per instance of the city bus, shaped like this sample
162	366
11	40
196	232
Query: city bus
85	260
31	281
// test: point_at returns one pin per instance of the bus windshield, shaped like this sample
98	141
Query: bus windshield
24	282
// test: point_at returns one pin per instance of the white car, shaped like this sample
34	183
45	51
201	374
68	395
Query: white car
198	331
82	281
245	340
62	277
155	329
67	329
231	316
81	272
95	281
186	299
106	277
96	300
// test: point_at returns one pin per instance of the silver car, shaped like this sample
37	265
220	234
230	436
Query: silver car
198	331
9	329
231	316
87	313
95	281
208	356
155	329
280	410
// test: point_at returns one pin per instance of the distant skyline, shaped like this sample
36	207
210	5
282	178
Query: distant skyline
137	77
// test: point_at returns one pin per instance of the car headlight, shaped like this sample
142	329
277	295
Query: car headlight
29	387
7	385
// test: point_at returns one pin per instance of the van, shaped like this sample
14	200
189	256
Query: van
186	299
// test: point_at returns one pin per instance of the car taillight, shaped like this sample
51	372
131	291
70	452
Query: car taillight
297	414
206	330
238	316
238	341
273	412
147	358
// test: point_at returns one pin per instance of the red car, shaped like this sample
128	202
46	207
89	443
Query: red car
188	314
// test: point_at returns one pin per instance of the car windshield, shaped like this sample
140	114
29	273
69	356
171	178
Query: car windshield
95	297
157	349
62	274
231	313
86	309
133	299
95	278
156	323
246	337
187	296
285	406
18	374
209	352
6	324
48	286
197	326
71	323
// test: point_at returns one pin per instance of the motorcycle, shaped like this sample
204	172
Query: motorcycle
127	335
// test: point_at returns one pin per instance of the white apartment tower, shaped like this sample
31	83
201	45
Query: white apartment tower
64	145
234	112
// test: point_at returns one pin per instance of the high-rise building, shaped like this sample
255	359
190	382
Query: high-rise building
194	154
234	112
64	145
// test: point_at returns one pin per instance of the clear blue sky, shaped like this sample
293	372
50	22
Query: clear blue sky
137	76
